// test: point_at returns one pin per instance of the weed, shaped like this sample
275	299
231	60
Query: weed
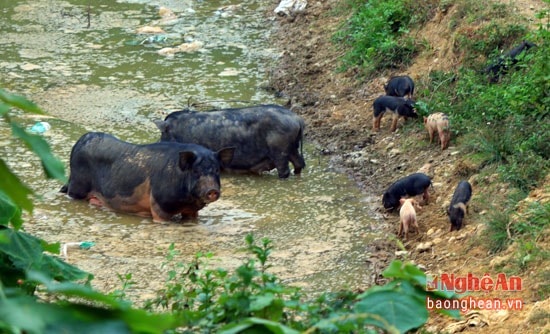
497	230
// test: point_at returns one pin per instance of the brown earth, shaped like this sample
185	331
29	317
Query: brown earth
337	109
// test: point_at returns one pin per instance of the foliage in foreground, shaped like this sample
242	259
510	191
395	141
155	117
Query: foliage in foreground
26	270
214	300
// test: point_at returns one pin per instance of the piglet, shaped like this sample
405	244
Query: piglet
407	216
459	205
438	122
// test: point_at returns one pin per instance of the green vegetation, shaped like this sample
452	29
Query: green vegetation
377	34
214	300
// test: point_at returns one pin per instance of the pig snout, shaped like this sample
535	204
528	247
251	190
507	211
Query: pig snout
212	195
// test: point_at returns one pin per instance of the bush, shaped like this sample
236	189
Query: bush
375	34
214	300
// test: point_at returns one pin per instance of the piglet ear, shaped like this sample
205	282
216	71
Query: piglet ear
187	158
402	200
162	125
226	155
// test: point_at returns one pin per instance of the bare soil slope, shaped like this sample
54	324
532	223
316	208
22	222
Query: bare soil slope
338	112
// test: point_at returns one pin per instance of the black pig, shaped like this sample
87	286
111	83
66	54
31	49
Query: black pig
398	106
157	180
412	185
400	86
264	137
504	62
459	205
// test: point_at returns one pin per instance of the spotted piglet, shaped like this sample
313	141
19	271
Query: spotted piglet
438	122
407	215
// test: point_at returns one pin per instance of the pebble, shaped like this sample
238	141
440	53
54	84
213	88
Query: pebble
424	246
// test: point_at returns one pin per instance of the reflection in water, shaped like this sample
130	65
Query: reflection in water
108	79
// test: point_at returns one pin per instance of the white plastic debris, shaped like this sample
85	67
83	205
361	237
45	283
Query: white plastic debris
40	127
290	7
80	244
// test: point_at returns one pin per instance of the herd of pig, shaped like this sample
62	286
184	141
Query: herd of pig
399	106
398	101
403	191
180	174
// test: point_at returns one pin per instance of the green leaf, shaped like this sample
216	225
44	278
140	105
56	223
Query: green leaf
14	189
70	289
9	212
257	325
401	311
19	102
405	271
53	167
261	302
27	315
26	253
4	108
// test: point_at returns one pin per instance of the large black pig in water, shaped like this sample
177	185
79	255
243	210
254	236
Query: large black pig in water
264	136
158	180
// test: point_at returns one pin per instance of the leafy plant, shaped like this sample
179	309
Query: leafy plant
25	269
375	34
213	300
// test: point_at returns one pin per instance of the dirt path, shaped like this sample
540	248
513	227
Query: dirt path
337	110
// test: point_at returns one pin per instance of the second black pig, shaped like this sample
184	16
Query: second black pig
398	106
265	136
400	86
459	205
412	185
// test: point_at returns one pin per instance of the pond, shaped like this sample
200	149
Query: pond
87	64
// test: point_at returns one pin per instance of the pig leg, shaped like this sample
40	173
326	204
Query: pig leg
376	122
431	133
441	138
95	201
405	224
282	167
415	224
394	122
297	161
426	196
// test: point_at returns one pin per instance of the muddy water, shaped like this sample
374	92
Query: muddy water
108	77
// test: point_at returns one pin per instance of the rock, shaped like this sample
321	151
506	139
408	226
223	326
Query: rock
30	67
150	30
290	7
394	152
424	246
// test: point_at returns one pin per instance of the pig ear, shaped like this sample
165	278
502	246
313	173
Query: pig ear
226	155
402	200
187	158
162	125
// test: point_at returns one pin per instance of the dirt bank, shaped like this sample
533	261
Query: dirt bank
338	112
